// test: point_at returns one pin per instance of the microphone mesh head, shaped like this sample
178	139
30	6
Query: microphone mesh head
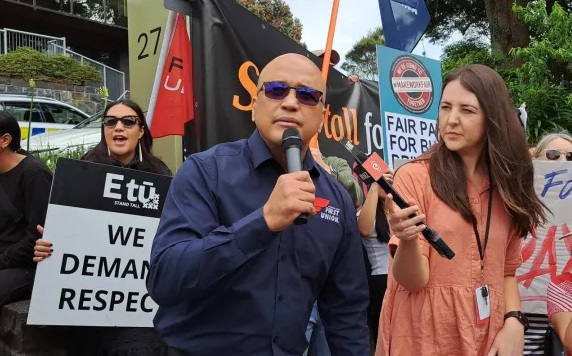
291	137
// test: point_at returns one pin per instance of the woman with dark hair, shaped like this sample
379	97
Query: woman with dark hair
475	188
24	190
374	230
125	142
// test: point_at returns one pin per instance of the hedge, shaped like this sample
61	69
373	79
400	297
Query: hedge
27	63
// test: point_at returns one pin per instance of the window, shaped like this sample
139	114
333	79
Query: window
61	115
94	122
21	111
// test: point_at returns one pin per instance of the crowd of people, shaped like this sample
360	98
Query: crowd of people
233	274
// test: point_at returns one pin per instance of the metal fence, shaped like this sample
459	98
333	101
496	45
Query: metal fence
11	40
14	39
113	79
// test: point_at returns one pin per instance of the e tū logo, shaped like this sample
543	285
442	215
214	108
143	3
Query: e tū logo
130	194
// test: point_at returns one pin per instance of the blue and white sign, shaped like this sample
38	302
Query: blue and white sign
409	95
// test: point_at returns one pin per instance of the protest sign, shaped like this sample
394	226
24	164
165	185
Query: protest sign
409	94
546	255
101	220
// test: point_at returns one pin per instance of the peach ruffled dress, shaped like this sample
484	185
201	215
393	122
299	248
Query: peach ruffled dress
440	320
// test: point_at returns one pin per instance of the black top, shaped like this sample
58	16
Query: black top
27	187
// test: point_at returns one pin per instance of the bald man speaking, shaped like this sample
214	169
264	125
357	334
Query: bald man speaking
230	271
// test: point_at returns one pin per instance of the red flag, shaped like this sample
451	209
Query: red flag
171	102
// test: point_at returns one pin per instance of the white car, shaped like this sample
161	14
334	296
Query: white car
81	137
47	114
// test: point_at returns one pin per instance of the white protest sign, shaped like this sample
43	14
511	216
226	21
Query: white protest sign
407	136
545	255
101	221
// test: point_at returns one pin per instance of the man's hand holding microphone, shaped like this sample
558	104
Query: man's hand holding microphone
293	195
292	200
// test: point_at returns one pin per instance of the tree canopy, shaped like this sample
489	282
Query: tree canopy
542	82
278	14
492	18
361	59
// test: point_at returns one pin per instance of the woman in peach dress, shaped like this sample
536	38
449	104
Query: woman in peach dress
475	188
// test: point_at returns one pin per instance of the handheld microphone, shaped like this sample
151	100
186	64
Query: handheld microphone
292	145
370	169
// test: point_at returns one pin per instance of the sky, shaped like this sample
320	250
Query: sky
353	23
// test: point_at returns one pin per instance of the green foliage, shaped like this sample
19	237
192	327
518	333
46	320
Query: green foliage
27	63
448	16
546	65
51	157
362	58
549	108
278	14
108	11
469	17
546	61
549	55
470	51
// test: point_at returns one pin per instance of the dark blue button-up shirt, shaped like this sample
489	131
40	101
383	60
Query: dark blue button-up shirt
227	285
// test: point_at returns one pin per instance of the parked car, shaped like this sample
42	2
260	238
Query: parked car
83	136
48	115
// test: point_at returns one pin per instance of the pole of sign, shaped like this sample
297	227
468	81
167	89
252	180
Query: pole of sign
330	40
328	54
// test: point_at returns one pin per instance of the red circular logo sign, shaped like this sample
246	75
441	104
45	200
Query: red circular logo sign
411	84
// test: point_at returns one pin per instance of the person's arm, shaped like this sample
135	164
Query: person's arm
192	251
562	323
344	298
411	266
559	305
366	219
36	185
512	300
408	247
344	175
513	260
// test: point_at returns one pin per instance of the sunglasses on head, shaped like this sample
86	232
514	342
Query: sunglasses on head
127	121
278	91
553	155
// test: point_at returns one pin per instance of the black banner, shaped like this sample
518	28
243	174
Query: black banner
96	186
230	47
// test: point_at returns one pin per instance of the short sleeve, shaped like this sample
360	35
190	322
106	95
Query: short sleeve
411	181
513	258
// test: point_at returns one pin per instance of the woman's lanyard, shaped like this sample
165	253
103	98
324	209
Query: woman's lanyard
478	238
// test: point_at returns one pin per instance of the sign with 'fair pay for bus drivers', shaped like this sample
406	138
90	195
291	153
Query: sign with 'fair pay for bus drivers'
101	221
409	94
